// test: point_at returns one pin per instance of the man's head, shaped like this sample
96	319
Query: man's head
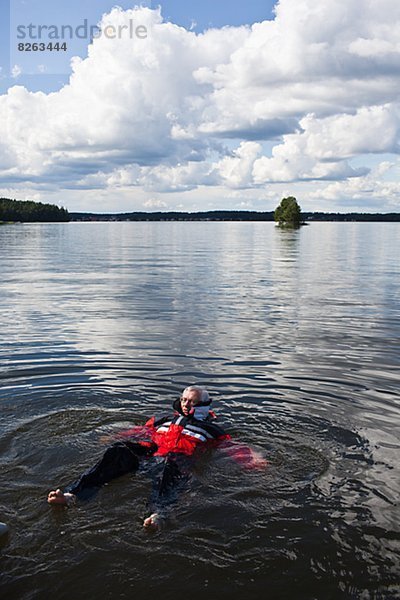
193	396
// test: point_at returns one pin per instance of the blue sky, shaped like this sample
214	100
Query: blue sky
196	16
221	105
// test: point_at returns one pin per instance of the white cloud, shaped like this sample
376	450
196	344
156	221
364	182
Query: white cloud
321	149
178	178
372	192
16	71
236	170
154	203
178	111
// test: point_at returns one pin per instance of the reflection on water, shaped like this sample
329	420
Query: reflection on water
296	334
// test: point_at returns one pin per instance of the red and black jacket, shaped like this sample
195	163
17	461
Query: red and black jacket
178	433
183	434
188	435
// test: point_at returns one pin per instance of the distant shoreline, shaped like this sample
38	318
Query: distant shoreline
28	211
229	215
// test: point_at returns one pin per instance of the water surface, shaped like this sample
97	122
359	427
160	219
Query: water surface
296	336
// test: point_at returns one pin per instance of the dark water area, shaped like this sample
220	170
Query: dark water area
296	336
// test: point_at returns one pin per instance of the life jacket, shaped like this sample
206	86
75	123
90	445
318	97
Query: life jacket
183	434
189	434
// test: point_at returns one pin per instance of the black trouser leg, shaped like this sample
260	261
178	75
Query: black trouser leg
173	478
119	459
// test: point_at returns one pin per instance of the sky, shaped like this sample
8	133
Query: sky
189	106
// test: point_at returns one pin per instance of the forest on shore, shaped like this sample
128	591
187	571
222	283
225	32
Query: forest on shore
230	215
27	211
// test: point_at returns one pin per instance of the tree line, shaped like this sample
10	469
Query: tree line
27	211
288	213
211	215
229	215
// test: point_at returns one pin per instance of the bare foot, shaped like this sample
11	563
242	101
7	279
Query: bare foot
58	497
152	522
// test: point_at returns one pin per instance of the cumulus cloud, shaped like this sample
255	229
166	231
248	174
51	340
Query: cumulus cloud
237	170
179	110
374	192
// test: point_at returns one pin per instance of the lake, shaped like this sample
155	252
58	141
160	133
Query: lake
296	335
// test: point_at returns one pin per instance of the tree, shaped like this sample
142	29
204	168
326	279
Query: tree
30	212
288	213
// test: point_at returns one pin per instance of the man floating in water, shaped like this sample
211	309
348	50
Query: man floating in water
177	440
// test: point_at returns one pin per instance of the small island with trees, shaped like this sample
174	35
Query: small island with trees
288	213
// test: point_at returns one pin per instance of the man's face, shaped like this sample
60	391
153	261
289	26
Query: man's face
188	400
